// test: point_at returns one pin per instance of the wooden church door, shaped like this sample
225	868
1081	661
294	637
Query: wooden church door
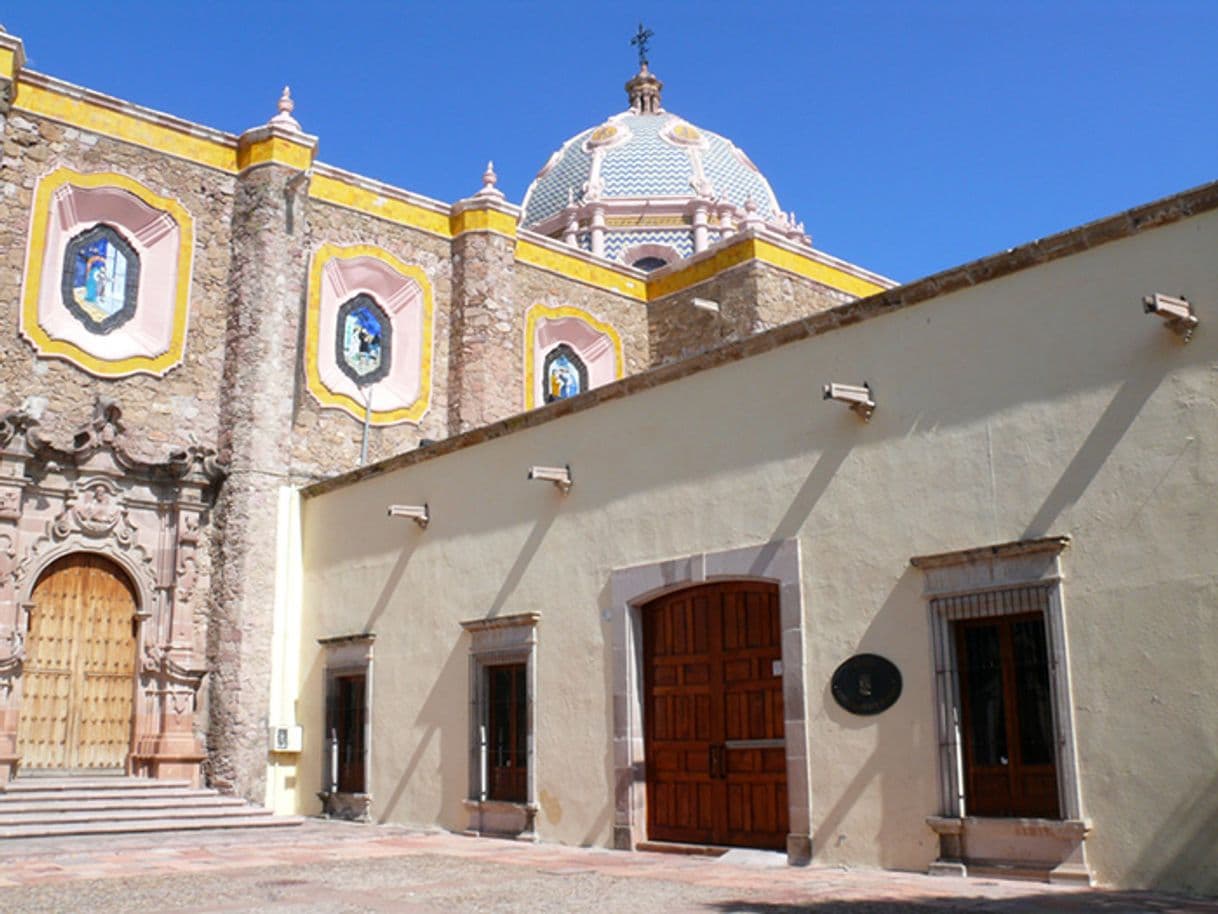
78	676
716	757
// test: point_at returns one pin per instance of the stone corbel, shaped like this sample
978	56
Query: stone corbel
158	663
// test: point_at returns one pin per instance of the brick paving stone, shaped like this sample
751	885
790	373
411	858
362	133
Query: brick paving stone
339	868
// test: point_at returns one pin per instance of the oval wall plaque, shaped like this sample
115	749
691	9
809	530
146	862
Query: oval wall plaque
866	684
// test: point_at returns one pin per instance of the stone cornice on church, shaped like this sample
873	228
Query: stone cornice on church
1122	225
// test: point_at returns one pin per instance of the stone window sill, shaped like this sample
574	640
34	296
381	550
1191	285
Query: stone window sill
502	819
1049	849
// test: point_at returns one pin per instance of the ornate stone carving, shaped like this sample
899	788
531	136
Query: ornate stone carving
13	423
10	503
158	663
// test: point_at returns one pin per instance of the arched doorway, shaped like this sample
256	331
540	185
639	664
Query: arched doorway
714	732
78	676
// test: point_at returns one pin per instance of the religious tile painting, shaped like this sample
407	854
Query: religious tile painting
101	275
564	374
363	340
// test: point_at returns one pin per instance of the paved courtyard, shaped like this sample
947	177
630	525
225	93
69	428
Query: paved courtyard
331	867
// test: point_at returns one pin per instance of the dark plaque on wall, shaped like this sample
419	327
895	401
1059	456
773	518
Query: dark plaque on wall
867	684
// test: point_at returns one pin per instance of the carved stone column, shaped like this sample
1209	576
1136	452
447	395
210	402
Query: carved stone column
270	248
11	640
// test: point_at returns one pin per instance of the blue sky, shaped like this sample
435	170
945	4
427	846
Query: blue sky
909	137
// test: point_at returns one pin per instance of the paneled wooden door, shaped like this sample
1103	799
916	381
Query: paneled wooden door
78	687
716	757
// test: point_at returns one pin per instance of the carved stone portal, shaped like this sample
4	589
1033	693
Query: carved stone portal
92	495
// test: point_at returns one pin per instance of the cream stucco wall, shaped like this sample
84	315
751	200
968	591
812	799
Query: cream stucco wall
1040	403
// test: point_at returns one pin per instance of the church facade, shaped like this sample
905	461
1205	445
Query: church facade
672	528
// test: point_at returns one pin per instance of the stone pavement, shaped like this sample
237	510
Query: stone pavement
333	867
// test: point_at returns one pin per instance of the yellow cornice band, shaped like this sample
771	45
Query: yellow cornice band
87	115
36	253
274	149
749	248
8	62
350	196
483	220
540	312
573	267
326	397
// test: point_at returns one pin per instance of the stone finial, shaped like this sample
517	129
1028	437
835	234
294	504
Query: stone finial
286	106
489	179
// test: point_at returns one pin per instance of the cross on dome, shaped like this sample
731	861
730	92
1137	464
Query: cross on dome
640	39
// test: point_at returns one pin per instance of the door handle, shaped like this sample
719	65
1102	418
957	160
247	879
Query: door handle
717	761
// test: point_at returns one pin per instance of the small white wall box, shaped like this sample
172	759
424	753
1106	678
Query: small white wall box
858	398
560	476
286	739
705	304
417	513
1176	311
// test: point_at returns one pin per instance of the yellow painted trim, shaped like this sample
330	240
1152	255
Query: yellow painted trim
87	115
540	312
483	220
275	149
8	62
323	255
759	249
814	269
572	267
340	193
46	345
731	256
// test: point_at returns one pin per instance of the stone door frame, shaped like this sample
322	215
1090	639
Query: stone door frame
94	496
632	588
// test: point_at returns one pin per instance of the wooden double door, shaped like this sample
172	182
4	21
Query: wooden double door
716	757
79	673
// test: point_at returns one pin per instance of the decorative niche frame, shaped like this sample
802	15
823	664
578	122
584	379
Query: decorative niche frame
107	274
596	345
344	280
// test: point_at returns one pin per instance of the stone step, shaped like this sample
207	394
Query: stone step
44	817
15	806
83	796
145	825
112	783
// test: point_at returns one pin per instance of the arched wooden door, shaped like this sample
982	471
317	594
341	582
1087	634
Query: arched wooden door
716	756
78	676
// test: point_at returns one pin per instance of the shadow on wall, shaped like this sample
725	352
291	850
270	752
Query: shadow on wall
435	721
527	553
903	759
391	584
1183	853
1145	377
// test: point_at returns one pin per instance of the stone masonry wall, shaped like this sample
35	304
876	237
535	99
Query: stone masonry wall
783	297
266	297
182	405
629	318
486	350
160	414
327	441
752	297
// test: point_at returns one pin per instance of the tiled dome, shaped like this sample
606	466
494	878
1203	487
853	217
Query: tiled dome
648	156
648	188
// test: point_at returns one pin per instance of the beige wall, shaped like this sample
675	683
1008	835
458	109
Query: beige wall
1041	403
